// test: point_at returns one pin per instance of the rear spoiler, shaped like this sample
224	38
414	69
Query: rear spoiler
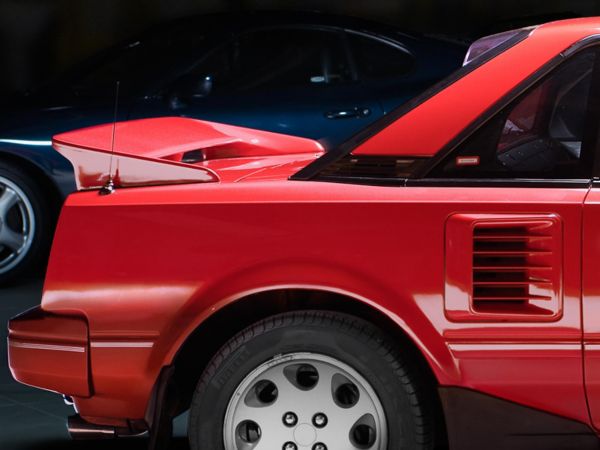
169	150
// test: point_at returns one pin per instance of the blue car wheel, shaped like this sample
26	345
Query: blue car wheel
25	223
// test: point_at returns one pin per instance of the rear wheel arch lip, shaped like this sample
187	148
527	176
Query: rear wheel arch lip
440	362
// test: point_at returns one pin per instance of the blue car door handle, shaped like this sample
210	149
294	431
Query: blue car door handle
355	112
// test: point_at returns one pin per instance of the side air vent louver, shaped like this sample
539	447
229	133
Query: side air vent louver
371	168
512	269
512	265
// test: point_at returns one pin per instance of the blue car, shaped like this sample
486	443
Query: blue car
318	76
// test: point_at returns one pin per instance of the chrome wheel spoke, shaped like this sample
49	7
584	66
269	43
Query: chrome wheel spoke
17	225
11	239
348	420
8	199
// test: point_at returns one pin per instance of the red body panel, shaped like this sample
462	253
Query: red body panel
591	301
286	235
147	266
50	352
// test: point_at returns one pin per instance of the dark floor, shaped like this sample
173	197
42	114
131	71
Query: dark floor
31	419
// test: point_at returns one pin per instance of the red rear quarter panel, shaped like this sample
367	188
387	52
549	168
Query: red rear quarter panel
146	266
175	255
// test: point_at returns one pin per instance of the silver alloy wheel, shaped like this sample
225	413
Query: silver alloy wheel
17	225
304	401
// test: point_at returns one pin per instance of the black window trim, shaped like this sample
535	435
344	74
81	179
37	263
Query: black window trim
383	41
334	155
499	182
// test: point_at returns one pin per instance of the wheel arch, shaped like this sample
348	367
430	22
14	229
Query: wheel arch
250	307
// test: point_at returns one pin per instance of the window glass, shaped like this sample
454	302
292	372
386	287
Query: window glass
271	59
290	57
377	59
214	73
539	135
152	59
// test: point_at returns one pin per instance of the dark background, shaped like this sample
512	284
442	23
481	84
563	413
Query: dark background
41	38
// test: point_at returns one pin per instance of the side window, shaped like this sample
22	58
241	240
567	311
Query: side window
140	64
377	59
269	59
214	73
541	134
293	57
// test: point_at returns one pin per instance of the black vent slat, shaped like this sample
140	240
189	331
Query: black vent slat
508	298
510	252
510	283
511	265
372	167
507	276
509	237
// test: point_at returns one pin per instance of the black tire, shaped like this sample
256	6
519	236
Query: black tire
346	338
44	214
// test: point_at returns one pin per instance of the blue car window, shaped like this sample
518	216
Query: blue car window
377	59
291	57
213	73
268	59
273	59
142	62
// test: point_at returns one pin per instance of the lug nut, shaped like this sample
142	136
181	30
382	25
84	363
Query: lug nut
319	446
319	420
290	446
290	419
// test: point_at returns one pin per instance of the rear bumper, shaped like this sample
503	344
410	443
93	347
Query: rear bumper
50	351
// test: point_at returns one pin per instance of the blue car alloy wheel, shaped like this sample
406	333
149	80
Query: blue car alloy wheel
26	223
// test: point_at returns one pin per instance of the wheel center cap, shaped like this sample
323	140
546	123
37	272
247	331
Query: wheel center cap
305	435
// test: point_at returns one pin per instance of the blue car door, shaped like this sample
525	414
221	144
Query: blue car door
295	80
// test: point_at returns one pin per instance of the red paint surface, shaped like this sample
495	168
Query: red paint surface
50	352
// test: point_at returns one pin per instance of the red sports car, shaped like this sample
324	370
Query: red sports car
434	281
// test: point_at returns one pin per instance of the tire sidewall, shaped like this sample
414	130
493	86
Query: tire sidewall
365	355
42	216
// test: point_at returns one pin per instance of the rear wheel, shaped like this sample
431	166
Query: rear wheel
309	380
25	223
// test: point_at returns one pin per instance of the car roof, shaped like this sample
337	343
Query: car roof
227	22
251	19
